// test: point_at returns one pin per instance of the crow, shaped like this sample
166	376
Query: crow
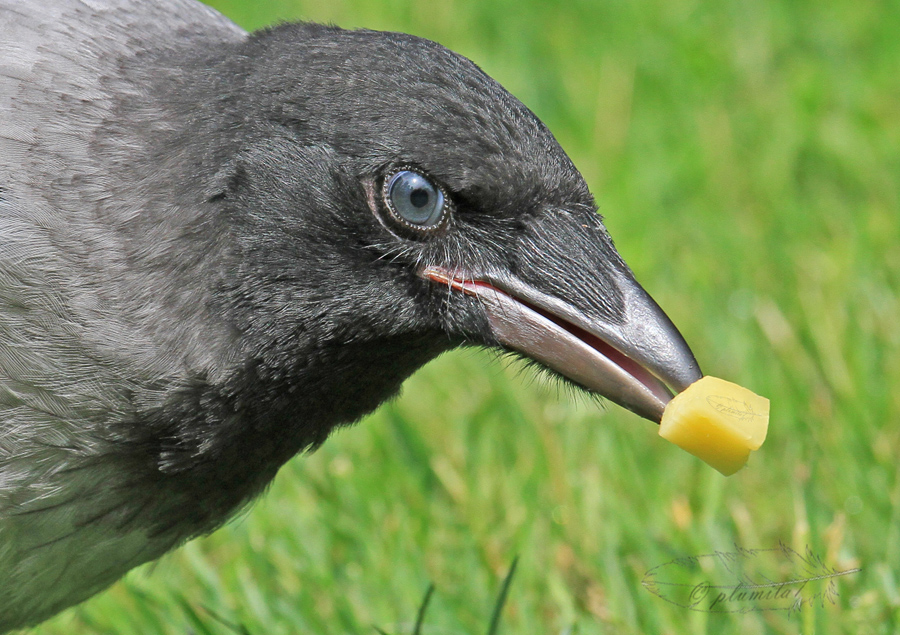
216	247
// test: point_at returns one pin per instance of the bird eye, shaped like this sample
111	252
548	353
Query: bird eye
414	200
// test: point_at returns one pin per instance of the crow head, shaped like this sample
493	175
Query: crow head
391	197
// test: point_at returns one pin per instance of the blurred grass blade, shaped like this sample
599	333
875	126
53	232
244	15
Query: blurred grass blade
198	623
237	628
420	619
501	599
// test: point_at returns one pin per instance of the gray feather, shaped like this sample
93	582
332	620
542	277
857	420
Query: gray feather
75	349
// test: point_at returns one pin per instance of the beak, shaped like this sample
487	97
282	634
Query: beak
633	355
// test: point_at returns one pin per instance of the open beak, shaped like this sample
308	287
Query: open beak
638	364
638	359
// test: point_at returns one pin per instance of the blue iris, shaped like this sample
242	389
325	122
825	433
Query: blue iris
416	199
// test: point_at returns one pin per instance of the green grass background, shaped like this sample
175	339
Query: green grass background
746	156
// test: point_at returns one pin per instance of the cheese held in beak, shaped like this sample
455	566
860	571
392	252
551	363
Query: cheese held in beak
718	422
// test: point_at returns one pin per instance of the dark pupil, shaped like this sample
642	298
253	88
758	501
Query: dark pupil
419	197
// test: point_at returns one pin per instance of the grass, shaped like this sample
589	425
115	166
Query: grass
746	156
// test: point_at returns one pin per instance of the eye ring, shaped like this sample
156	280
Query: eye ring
416	205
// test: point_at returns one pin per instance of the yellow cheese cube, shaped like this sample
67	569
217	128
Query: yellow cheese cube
718	422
